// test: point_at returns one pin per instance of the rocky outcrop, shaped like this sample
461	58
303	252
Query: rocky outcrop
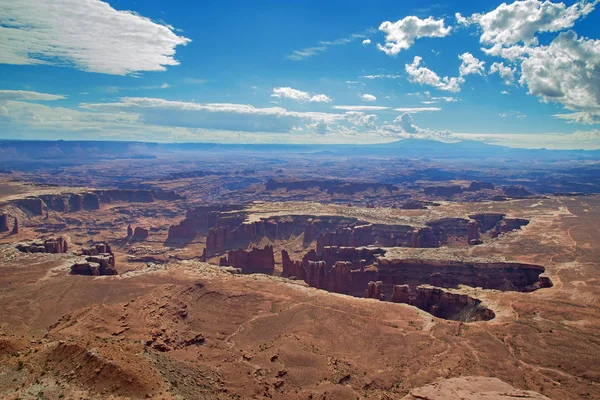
516	192
56	202
4	223
374	290
450	274
423	238
140	233
443	191
442	304
15	228
90	201
34	205
253	261
185	230
100	260
508	225
337	269
129	231
471	388
75	203
197	220
477	186
55	245
487	221
291	269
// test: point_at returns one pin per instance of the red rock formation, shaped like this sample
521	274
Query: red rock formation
184	230
443	304
451	273
315	274
75	202
487	221
34	205
4	223
400	294
129	231
477	186
423	238
253	261
516	192
507	225
91	201
374	290
15	228
55	245
443	191
100	261
291	268
55	202
473	233
140	233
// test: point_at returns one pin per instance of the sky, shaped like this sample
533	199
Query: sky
520	74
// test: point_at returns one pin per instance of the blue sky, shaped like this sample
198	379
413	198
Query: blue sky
524	73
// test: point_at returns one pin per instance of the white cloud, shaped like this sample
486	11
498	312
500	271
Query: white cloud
401	35
425	76
381	76
470	65
322	46
86	34
519	22
24	95
504	92
361	108
566	72
414	110
368	97
506	72
298	95
366	42
361	119
404	127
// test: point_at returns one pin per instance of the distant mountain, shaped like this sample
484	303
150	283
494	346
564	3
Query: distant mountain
21	152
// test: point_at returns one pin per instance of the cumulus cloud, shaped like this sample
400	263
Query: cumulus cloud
519	22
506	72
566	72
86	34
414	110
404	127
366	42
368	97
401	35
361	119
298	95
425	76
24	95
470	65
